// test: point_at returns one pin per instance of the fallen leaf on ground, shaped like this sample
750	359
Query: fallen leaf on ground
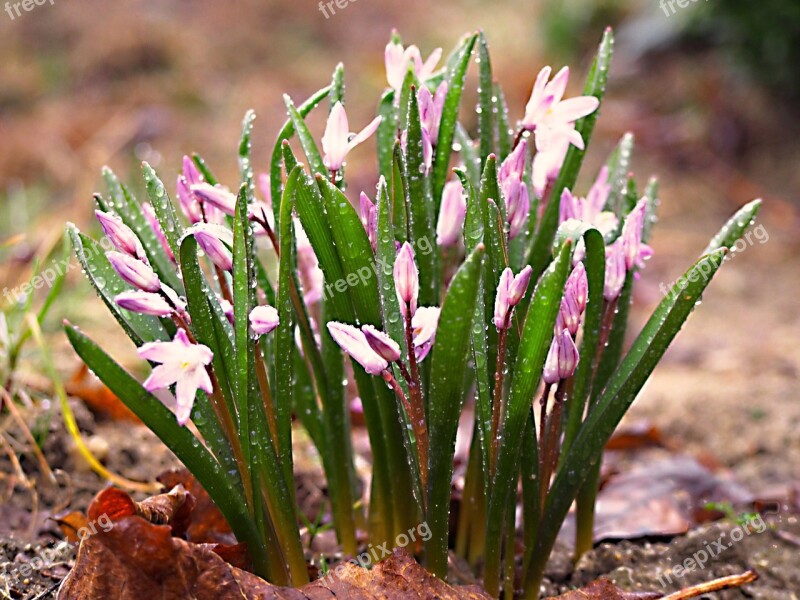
207	525
137	559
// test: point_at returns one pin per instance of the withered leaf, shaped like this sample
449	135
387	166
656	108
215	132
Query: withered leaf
173	508
137	559
208	525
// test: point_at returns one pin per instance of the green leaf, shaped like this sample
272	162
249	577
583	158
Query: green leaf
487	100
469	154
205	171
286	132
533	347
595	86
733	230
306	139
473	237
421	224
619	166
618	396
245	150
163	208
92	258
504	131
399	191
387	133
455	76
446	399
651	193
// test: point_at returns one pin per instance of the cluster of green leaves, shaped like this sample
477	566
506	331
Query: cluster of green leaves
245	463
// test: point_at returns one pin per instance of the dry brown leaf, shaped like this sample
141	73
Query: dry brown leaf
137	559
208	525
173	508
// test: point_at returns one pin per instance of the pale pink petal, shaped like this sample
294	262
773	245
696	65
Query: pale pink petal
575	108
364	133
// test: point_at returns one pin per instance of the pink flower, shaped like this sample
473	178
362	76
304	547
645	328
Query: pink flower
152	220
354	343
635	251
562	359
451	214
218	197
430	109
182	363
398	61
615	270
215	241
381	343
546	166
263	319
338	141
120	235
510	292
550	116
134	272
423	330
369	218
146	303
406	279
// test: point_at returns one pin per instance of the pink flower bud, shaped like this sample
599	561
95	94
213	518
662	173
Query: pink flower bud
615	270
518	213
451	214
145	303
510	292
353	341
263	319
562	359
210	239
120	235
191	172
635	251
406	279
187	200
381	343
369	218
519	286
216	196
134	272
152	220
502	307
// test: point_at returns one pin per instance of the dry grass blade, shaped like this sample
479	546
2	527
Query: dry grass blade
723	583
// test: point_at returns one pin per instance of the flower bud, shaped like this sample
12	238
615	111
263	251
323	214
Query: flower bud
562	358
216	196
134	272
451	214
406	279
120	235
145	303
210	239
381	343
353	341
263	319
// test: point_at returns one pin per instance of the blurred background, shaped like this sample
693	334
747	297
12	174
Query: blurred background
709	89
